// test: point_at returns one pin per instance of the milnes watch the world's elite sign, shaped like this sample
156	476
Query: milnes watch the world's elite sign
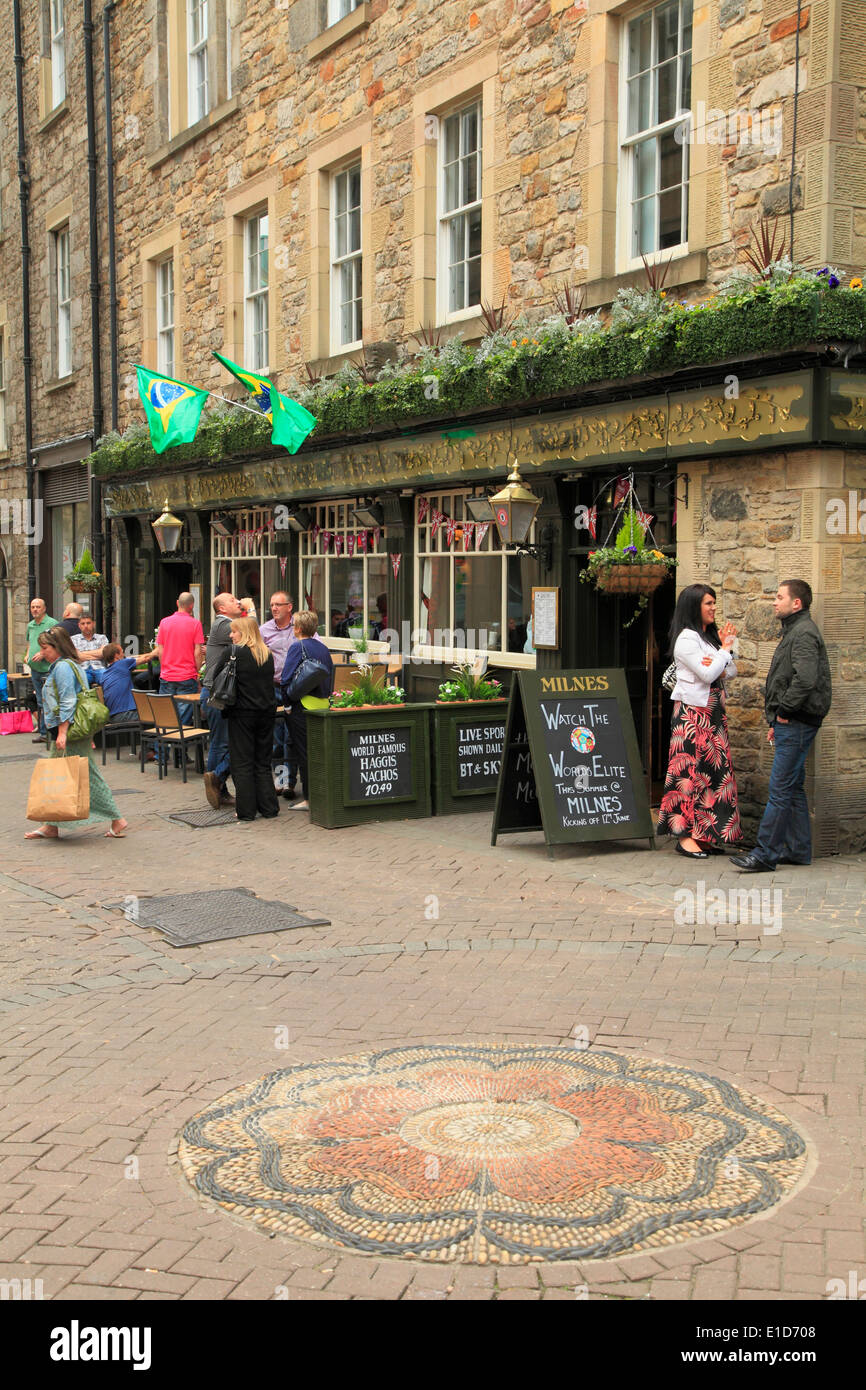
571	766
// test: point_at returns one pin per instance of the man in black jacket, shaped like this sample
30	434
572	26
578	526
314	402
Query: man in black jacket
219	642
796	701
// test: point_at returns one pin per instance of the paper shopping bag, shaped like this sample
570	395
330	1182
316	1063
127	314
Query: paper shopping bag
59	790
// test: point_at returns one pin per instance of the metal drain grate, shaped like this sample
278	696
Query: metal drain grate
200	819
190	919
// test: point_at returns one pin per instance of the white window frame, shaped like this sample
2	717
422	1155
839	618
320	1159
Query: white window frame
446	216
165	355
57	35
4	443
256	291
63	292
491	552
339	9
198	76
627	257
351	259
337	518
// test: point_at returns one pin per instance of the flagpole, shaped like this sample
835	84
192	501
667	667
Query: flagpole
252	410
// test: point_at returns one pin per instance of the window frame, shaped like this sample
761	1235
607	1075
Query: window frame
444	218
353	256
165	328
57	51
4	438
336	517
627	259
428	547
63	305
197	57
339	9
257	296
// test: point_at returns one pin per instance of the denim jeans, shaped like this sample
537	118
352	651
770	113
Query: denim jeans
784	828
180	688
218	747
39	678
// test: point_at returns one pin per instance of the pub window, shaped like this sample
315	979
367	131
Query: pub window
346	292
344	573
471	592
256	292
654	146
165	317
460	211
246	563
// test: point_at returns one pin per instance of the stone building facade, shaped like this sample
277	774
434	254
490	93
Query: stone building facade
400	163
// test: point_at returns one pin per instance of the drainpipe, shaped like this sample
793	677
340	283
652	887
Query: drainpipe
96	519
26	357
112	251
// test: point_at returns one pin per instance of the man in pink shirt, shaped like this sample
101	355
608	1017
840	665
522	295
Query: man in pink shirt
180	644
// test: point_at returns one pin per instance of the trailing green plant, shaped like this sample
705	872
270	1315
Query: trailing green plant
84	574
468	686
367	692
790	309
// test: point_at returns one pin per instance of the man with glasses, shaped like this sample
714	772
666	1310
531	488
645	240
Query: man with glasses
279	635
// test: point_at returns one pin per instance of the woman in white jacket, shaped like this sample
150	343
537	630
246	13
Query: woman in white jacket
699	804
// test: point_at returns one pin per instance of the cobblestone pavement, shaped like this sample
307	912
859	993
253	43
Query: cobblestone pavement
112	1040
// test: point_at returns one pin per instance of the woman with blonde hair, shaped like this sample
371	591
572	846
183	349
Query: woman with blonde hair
250	722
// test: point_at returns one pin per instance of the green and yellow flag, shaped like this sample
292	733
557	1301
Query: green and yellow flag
290	422
173	408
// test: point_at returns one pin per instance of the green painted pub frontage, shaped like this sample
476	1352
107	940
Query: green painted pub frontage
749	479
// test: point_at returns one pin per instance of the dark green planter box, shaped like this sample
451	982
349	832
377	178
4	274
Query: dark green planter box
465	781
369	765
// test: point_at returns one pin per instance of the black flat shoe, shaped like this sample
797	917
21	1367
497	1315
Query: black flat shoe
691	853
712	849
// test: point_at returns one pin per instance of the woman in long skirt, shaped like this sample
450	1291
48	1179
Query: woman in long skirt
699	804
59	695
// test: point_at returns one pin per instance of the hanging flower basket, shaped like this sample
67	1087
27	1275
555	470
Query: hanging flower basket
631	579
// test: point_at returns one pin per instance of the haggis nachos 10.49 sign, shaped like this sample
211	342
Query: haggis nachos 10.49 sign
571	765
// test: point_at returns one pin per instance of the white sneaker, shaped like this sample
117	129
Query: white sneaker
300	806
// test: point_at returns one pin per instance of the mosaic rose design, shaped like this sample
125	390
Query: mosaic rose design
482	1152
529	1132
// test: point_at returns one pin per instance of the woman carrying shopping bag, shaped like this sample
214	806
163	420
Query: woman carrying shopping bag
64	683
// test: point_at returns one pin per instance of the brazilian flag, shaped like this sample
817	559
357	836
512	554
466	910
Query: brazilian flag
290	422
173	408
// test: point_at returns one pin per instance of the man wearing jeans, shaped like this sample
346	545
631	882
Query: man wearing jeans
219	645
796	701
180	645
279	636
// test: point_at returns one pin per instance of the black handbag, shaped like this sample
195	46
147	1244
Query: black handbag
225	686
307	674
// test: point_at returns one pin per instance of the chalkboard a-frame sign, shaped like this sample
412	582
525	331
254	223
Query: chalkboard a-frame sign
571	765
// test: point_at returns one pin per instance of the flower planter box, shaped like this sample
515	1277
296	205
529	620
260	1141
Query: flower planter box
468	737
370	764
631	579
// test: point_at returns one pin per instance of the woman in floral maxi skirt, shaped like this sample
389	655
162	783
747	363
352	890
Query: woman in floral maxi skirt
699	803
59	696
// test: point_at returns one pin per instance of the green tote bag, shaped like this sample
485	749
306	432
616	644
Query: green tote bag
90	712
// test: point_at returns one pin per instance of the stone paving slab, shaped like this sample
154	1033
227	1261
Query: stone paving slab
110	1047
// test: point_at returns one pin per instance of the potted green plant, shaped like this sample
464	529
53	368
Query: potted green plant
83	578
628	566
468	687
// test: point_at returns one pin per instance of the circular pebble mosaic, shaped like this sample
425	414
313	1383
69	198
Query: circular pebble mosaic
492	1153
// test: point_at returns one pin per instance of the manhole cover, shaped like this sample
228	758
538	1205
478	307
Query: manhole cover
189	919
492	1153
205	817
